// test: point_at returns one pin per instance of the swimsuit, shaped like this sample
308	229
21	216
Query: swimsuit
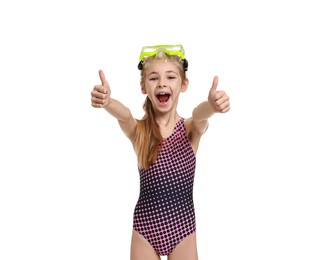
164	214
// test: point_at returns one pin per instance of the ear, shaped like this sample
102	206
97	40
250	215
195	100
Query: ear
143	88
184	85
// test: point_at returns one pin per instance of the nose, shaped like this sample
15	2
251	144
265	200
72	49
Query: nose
162	83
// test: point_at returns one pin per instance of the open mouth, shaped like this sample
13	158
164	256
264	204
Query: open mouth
163	97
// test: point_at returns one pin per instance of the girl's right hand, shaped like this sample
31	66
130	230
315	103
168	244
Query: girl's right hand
101	94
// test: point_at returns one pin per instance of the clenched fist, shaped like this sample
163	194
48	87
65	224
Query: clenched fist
101	94
218	100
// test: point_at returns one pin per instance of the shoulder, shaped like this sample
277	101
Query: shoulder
194	133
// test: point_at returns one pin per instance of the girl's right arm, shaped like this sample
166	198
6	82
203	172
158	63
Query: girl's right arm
101	98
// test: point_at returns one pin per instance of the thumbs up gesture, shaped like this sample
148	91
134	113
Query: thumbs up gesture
218	99
100	96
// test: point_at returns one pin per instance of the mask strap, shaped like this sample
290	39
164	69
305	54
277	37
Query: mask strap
185	65
140	65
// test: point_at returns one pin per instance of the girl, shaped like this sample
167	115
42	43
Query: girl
165	144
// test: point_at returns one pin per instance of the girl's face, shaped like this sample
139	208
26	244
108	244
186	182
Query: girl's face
163	84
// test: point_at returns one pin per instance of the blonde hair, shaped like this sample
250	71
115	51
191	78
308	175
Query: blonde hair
148	138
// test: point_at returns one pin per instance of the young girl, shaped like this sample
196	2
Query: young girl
165	144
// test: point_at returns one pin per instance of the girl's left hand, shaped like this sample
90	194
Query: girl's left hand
218	100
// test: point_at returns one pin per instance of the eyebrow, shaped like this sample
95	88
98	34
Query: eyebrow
168	71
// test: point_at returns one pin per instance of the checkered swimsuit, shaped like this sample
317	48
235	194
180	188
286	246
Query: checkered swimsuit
164	214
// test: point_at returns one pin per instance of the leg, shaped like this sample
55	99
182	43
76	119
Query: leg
185	250
141	249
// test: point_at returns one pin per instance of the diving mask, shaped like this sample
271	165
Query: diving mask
171	50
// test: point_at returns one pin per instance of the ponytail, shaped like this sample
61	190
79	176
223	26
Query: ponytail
148	138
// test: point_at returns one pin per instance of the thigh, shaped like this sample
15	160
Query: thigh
185	250
141	249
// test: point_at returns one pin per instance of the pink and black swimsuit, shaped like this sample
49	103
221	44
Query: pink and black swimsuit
164	214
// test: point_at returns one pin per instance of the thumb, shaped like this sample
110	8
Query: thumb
214	84
102	78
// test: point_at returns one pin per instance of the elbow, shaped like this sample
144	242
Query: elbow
126	116
200	126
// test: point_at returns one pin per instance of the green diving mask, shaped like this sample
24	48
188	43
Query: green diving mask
171	50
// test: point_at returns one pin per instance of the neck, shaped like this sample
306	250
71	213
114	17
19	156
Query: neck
166	120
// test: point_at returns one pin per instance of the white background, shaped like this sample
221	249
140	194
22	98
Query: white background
69	182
